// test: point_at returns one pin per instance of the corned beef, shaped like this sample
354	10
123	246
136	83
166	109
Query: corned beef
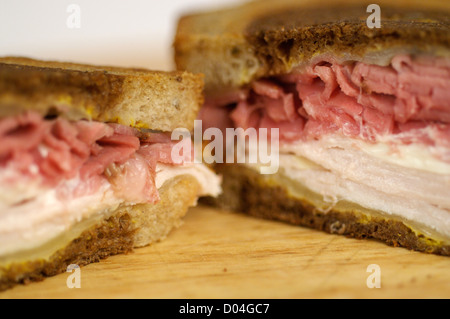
56	150
407	101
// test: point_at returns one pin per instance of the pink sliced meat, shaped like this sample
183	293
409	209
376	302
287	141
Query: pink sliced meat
268	89
58	150
354	99
291	129
19	133
96	165
134	181
210	113
90	131
344	80
376	123
328	76
282	109
244	115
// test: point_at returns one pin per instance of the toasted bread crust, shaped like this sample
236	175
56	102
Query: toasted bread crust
342	31
247	191
127	228
136	97
265	38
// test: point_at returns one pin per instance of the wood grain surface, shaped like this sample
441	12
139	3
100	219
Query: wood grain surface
217	254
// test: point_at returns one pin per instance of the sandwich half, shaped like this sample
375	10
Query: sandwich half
363	113
86	165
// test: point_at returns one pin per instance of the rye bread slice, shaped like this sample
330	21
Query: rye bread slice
141	98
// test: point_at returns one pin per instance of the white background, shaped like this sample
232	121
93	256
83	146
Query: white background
134	33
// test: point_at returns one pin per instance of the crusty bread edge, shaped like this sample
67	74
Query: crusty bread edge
140	98
231	50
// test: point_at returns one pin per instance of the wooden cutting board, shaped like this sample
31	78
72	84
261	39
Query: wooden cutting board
217	254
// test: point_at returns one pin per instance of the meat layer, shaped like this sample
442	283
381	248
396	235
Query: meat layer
406	102
376	136
48	152
57	175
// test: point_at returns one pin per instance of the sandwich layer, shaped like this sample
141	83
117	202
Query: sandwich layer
132	97
69	171
377	137
62	178
398	113
403	103
119	231
341	173
282	198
